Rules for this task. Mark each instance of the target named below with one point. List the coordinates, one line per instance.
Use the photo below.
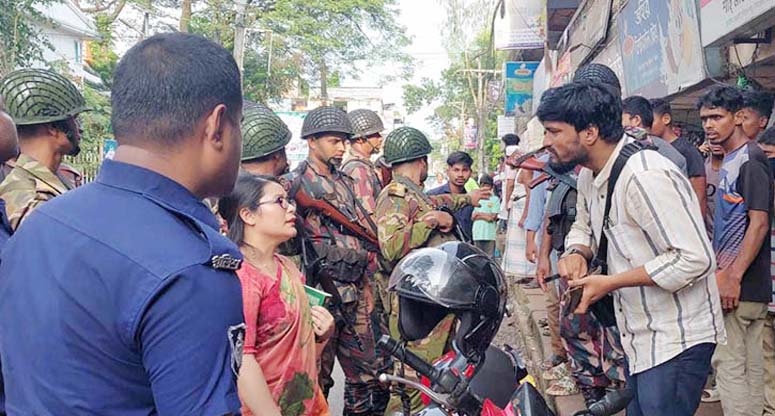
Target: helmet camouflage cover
(263, 132)
(37, 96)
(326, 120)
(365, 123)
(404, 144)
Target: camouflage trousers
(380, 318)
(429, 349)
(363, 394)
(595, 351)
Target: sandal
(556, 373)
(563, 387)
(710, 395)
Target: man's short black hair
(639, 106)
(460, 157)
(759, 101)
(722, 96)
(486, 180)
(583, 104)
(510, 139)
(165, 84)
(768, 137)
(660, 107)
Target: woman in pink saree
(283, 334)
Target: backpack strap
(624, 155)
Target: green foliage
(453, 97)
(102, 59)
(339, 33)
(96, 128)
(21, 42)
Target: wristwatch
(573, 250)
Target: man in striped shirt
(660, 261)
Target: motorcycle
(499, 386)
(474, 378)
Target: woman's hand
(322, 323)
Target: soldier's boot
(592, 394)
(358, 366)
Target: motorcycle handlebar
(398, 351)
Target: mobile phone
(572, 299)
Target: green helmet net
(404, 144)
(263, 132)
(37, 96)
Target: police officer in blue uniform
(119, 298)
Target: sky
(423, 20)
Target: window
(78, 56)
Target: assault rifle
(304, 200)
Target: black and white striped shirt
(655, 222)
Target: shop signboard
(660, 45)
(522, 26)
(519, 88)
(297, 149)
(722, 19)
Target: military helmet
(326, 120)
(263, 132)
(37, 96)
(404, 144)
(365, 123)
(598, 73)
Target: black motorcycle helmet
(453, 278)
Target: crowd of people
(186, 278)
(670, 241)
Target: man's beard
(335, 162)
(566, 167)
(562, 167)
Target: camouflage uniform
(367, 189)
(595, 351)
(28, 185)
(358, 366)
(399, 208)
(38, 97)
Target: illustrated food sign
(519, 88)
(661, 49)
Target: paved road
(336, 395)
(567, 406)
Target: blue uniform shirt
(113, 302)
(5, 226)
(5, 234)
(463, 215)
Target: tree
(21, 42)
(462, 91)
(343, 36)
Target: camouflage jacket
(337, 190)
(367, 182)
(399, 208)
(28, 185)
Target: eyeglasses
(282, 201)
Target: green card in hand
(316, 297)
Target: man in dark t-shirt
(695, 164)
(741, 240)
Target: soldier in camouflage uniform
(407, 219)
(326, 129)
(264, 137)
(45, 106)
(365, 142)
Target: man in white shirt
(660, 261)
